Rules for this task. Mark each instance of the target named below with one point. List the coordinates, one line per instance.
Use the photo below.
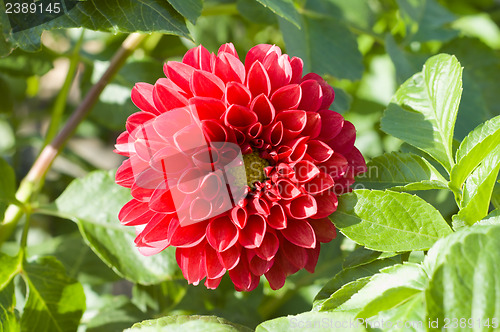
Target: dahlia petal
(155, 230)
(211, 186)
(163, 201)
(189, 138)
(356, 160)
(327, 204)
(312, 258)
(124, 144)
(137, 119)
(215, 132)
(297, 67)
(313, 125)
(276, 276)
(239, 216)
(277, 218)
(274, 134)
(258, 81)
(252, 234)
(269, 247)
(132, 211)
(254, 130)
(312, 96)
(237, 93)
(192, 263)
(242, 278)
(318, 151)
(319, 184)
(300, 233)
(259, 266)
(125, 174)
(239, 117)
(240, 139)
(305, 170)
(323, 229)
(301, 207)
(259, 206)
(287, 190)
(206, 84)
(205, 108)
(296, 255)
(294, 122)
(152, 250)
(213, 265)
(205, 158)
(344, 141)
(265, 111)
(279, 70)
(180, 73)
(228, 48)
(222, 233)
(171, 122)
(287, 97)
(167, 95)
(331, 124)
(146, 183)
(199, 210)
(199, 58)
(284, 152)
(230, 257)
(257, 53)
(142, 97)
(186, 236)
(189, 181)
(229, 68)
(212, 283)
(336, 166)
(169, 160)
(327, 90)
(299, 148)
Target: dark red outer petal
(312, 258)
(318, 151)
(206, 84)
(230, 257)
(142, 97)
(296, 255)
(344, 141)
(327, 204)
(252, 235)
(277, 218)
(167, 96)
(192, 263)
(297, 67)
(311, 96)
(205, 108)
(300, 233)
(239, 216)
(287, 97)
(331, 124)
(259, 266)
(187, 236)
(213, 266)
(323, 229)
(180, 73)
(269, 247)
(222, 233)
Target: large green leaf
(480, 96)
(115, 313)
(349, 275)
(424, 109)
(55, 301)
(473, 149)
(478, 190)
(190, 9)
(465, 282)
(9, 268)
(401, 171)
(284, 9)
(405, 63)
(8, 317)
(426, 20)
(94, 202)
(314, 322)
(113, 16)
(335, 53)
(187, 323)
(389, 221)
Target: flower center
(254, 170)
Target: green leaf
(389, 221)
(55, 301)
(255, 12)
(190, 9)
(161, 297)
(426, 20)
(401, 172)
(94, 202)
(348, 275)
(473, 149)
(406, 63)
(465, 282)
(25, 64)
(10, 267)
(313, 321)
(478, 190)
(343, 294)
(187, 323)
(480, 96)
(335, 53)
(491, 219)
(424, 109)
(131, 16)
(8, 317)
(115, 314)
(284, 9)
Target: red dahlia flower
(236, 165)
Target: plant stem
(60, 103)
(36, 174)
